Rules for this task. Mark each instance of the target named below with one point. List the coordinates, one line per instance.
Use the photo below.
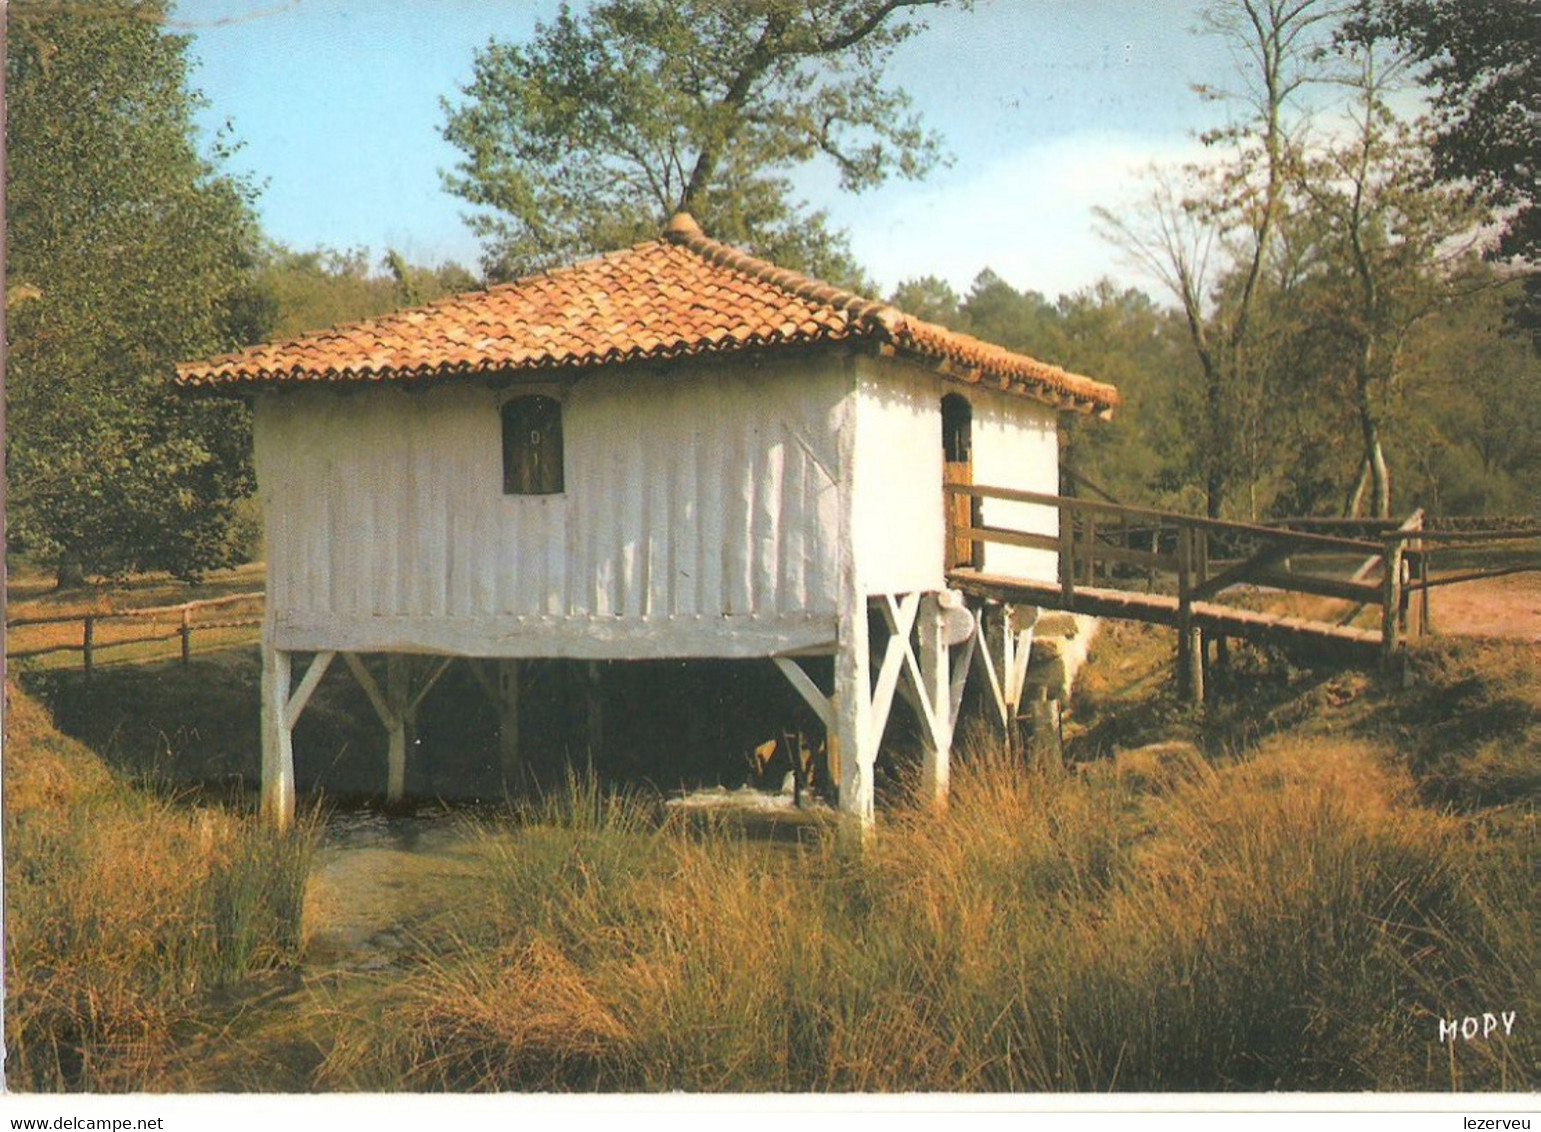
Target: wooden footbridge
(1212, 580)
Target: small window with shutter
(532, 446)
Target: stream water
(381, 878)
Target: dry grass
(1293, 920)
(1288, 894)
(122, 910)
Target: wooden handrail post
(87, 641)
(1067, 550)
(1424, 625)
(187, 635)
(1091, 549)
(976, 546)
(1190, 650)
(1391, 598)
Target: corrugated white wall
(899, 524)
(1016, 445)
(699, 517)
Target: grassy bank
(1290, 916)
(1288, 890)
(125, 913)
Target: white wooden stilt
(935, 688)
(594, 710)
(901, 619)
(426, 686)
(277, 805)
(398, 700)
(1017, 638)
(852, 735)
(508, 722)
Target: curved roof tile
(680, 295)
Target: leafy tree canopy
(323, 287)
(591, 135)
(1481, 57)
(127, 251)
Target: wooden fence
(1385, 564)
(101, 630)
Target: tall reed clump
(122, 909)
(1291, 921)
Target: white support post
(935, 689)
(852, 735)
(397, 698)
(508, 721)
(277, 735)
(594, 710)
(427, 686)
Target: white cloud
(1026, 216)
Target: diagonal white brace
(371, 689)
(428, 686)
(301, 695)
(983, 653)
(804, 686)
(901, 620)
(900, 616)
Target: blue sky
(1048, 108)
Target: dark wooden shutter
(532, 446)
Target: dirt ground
(1509, 606)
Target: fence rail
(1384, 564)
(181, 620)
(1103, 546)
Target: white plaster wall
(899, 524)
(1016, 445)
(700, 516)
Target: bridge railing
(1197, 559)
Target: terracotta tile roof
(680, 295)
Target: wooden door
(962, 511)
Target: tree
(1210, 234)
(592, 135)
(1481, 59)
(931, 298)
(1473, 420)
(316, 289)
(1386, 252)
(127, 252)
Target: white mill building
(672, 451)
